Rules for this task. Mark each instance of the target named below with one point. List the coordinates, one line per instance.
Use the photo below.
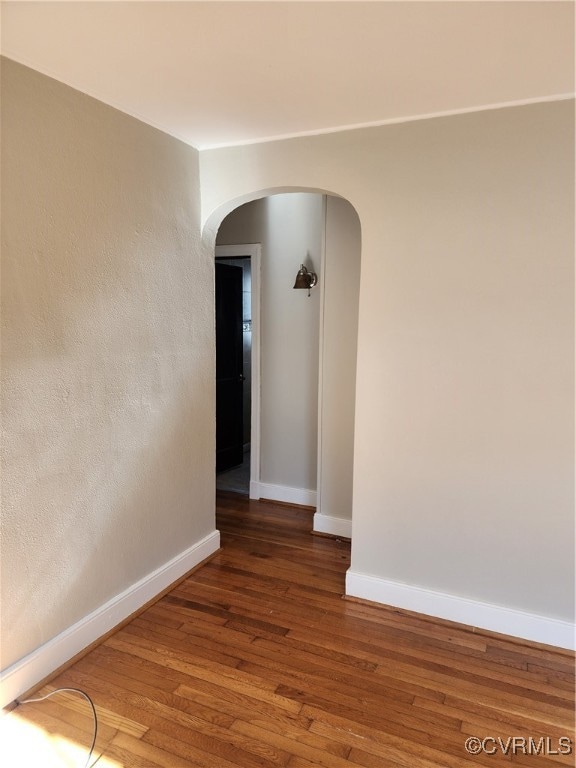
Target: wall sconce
(305, 279)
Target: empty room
(287, 384)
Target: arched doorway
(308, 351)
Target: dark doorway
(229, 374)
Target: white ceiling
(215, 73)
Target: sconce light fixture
(305, 279)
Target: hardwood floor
(256, 660)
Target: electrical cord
(94, 715)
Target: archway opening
(305, 362)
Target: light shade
(305, 279)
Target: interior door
(229, 378)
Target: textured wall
(464, 450)
(108, 451)
(290, 228)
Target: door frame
(254, 251)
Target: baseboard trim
(495, 618)
(29, 671)
(336, 526)
(301, 496)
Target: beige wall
(290, 229)
(108, 450)
(464, 461)
(341, 285)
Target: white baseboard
(336, 526)
(24, 674)
(285, 493)
(496, 618)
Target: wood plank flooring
(256, 661)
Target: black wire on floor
(94, 715)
